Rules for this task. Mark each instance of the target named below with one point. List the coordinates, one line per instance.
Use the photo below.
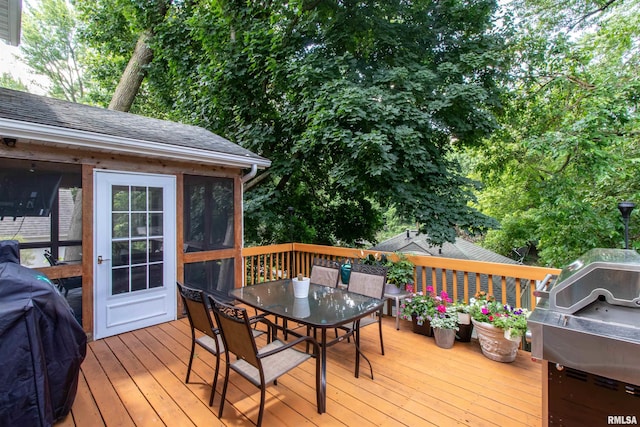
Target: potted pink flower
(445, 325)
(421, 308)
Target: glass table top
(324, 307)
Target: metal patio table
(325, 308)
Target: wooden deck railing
(460, 278)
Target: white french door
(135, 251)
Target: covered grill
(586, 329)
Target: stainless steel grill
(587, 327)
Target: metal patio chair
(199, 314)
(200, 320)
(258, 366)
(369, 280)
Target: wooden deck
(137, 379)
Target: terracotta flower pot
(493, 343)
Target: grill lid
(610, 273)
(589, 319)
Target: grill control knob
(559, 367)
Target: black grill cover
(41, 346)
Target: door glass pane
(138, 278)
(139, 252)
(119, 281)
(156, 273)
(138, 199)
(155, 224)
(120, 225)
(155, 199)
(138, 224)
(119, 253)
(120, 198)
(156, 252)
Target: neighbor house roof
(412, 242)
(31, 117)
(10, 21)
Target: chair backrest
(368, 280)
(325, 272)
(197, 310)
(50, 259)
(237, 334)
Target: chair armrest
(260, 318)
(274, 327)
(271, 327)
(316, 346)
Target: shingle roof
(461, 249)
(25, 107)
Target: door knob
(100, 259)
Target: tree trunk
(133, 75)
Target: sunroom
(124, 205)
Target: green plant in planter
(485, 308)
(463, 311)
(461, 307)
(421, 305)
(400, 272)
(373, 259)
(445, 317)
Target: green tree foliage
(567, 150)
(50, 47)
(8, 81)
(358, 104)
